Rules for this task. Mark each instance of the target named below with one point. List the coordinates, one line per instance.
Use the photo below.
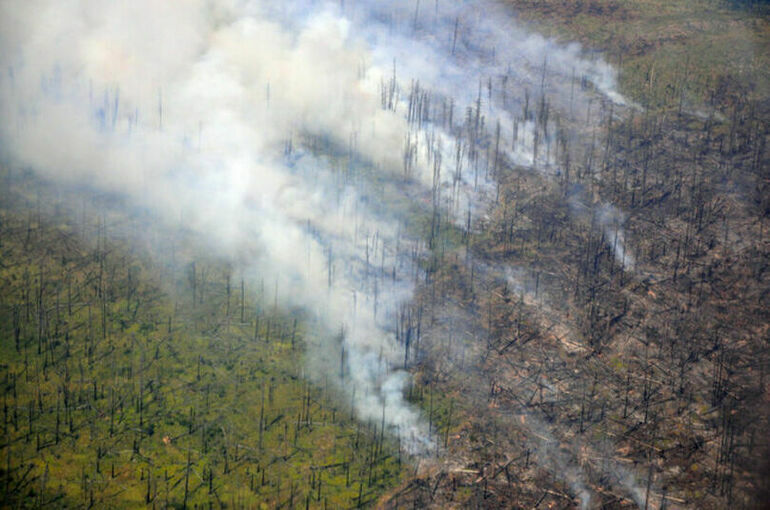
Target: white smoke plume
(239, 116)
(611, 219)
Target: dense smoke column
(481, 93)
(237, 117)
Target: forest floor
(551, 376)
(572, 380)
(163, 382)
(717, 49)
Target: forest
(504, 254)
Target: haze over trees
(410, 254)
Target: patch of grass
(703, 51)
(119, 393)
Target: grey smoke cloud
(232, 115)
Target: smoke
(609, 219)
(293, 137)
(563, 458)
(553, 457)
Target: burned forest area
(408, 254)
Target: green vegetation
(120, 393)
(168, 382)
(697, 52)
